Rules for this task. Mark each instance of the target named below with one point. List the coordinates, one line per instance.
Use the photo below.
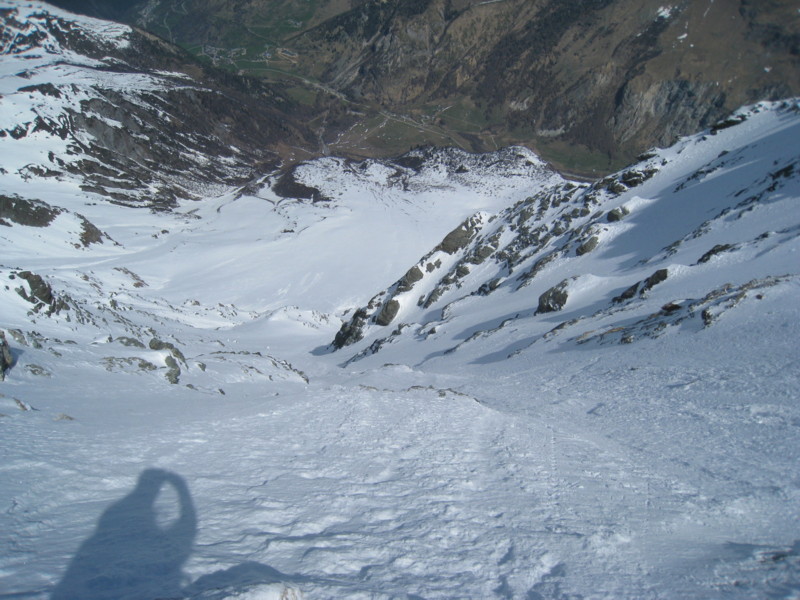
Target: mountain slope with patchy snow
(129, 116)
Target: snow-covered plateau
(441, 376)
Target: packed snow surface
(641, 448)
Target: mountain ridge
(588, 85)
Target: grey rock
(554, 299)
(617, 214)
(654, 279)
(32, 213)
(388, 313)
(459, 237)
(156, 344)
(6, 358)
(718, 249)
(173, 370)
(351, 331)
(408, 280)
(130, 342)
(627, 294)
(587, 246)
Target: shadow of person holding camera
(130, 555)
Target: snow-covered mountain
(441, 376)
(678, 239)
(138, 120)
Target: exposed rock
(487, 288)
(192, 124)
(173, 370)
(37, 370)
(287, 186)
(642, 287)
(32, 213)
(388, 313)
(617, 214)
(654, 279)
(113, 363)
(554, 299)
(40, 291)
(718, 249)
(130, 342)
(459, 237)
(627, 294)
(6, 358)
(587, 246)
(35, 213)
(408, 280)
(41, 294)
(352, 331)
(156, 344)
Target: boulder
(6, 358)
(617, 214)
(351, 331)
(408, 280)
(587, 246)
(653, 280)
(173, 370)
(388, 313)
(554, 299)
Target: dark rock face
(40, 291)
(408, 280)
(35, 213)
(287, 186)
(173, 373)
(617, 214)
(554, 299)
(587, 246)
(6, 359)
(459, 238)
(31, 213)
(642, 287)
(654, 279)
(41, 294)
(351, 331)
(605, 74)
(156, 344)
(718, 249)
(388, 313)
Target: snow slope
(176, 423)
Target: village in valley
(230, 56)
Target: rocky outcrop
(388, 313)
(554, 299)
(35, 213)
(460, 236)
(642, 287)
(39, 293)
(6, 358)
(351, 331)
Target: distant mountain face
(138, 120)
(608, 78)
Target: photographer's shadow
(130, 555)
